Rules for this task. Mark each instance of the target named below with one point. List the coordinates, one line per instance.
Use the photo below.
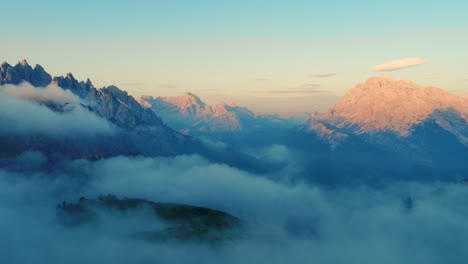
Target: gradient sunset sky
(270, 56)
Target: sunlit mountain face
(233, 132)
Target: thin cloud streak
(398, 64)
(261, 80)
(311, 85)
(323, 75)
(295, 91)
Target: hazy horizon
(268, 57)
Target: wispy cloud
(295, 91)
(49, 93)
(261, 80)
(398, 64)
(323, 75)
(311, 85)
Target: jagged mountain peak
(38, 67)
(187, 104)
(191, 98)
(4, 66)
(22, 71)
(189, 94)
(70, 76)
(110, 102)
(382, 103)
(24, 63)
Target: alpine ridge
(190, 115)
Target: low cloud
(323, 75)
(287, 217)
(399, 64)
(23, 111)
(50, 93)
(311, 85)
(261, 80)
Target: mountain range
(380, 127)
(190, 115)
(139, 129)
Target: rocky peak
(70, 76)
(117, 105)
(88, 82)
(22, 71)
(70, 83)
(187, 104)
(24, 63)
(382, 103)
(191, 99)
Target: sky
(271, 56)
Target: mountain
(391, 127)
(137, 130)
(22, 71)
(383, 105)
(190, 115)
(111, 103)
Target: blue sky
(243, 51)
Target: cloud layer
(399, 64)
(400, 223)
(323, 75)
(286, 220)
